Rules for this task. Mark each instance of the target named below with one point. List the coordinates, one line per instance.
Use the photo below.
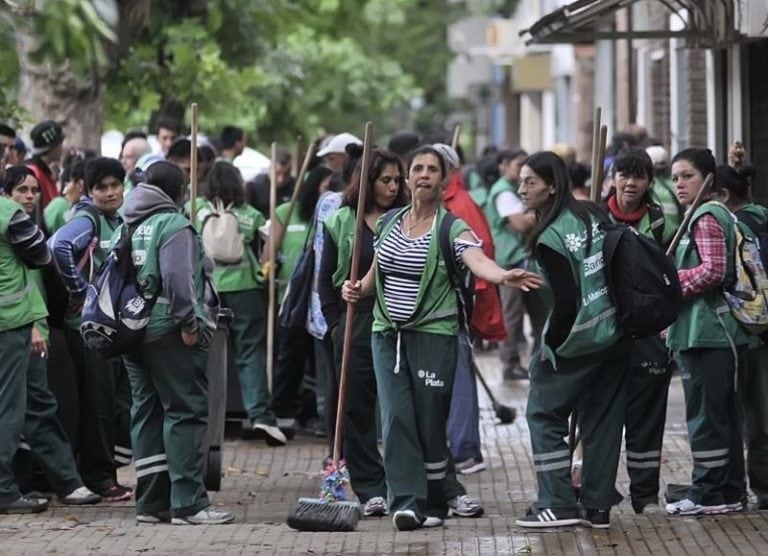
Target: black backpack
(642, 281)
(116, 312)
(465, 289)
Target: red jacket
(487, 320)
(48, 189)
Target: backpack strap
(750, 221)
(656, 216)
(454, 276)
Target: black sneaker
(548, 518)
(24, 505)
(762, 504)
(115, 493)
(597, 519)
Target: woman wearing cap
(414, 338)
(753, 384)
(708, 344)
(629, 202)
(79, 248)
(45, 439)
(385, 190)
(582, 362)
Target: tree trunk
(58, 94)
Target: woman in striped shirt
(416, 320)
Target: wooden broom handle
(353, 272)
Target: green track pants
(754, 396)
(647, 391)
(714, 424)
(414, 375)
(594, 385)
(169, 417)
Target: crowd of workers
(520, 224)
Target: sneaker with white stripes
(548, 518)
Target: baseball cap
(46, 136)
(338, 144)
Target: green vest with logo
(436, 310)
(146, 243)
(595, 327)
(245, 275)
(510, 246)
(341, 227)
(20, 300)
(705, 321)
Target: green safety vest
(436, 310)
(146, 243)
(510, 246)
(758, 212)
(245, 275)
(291, 247)
(705, 321)
(56, 214)
(341, 227)
(595, 327)
(20, 300)
(663, 193)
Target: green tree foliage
(277, 68)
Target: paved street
(261, 484)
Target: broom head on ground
(332, 511)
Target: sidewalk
(261, 484)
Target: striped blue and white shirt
(402, 261)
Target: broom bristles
(315, 514)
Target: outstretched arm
(483, 267)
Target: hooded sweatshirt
(70, 244)
(178, 261)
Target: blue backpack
(116, 313)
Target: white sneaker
(271, 434)
(406, 520)
(206, 516)
(471, 465)
(465, 506)
(160, 517)
(688, 507)
(375, 506)
(81, 496)
(432, 521)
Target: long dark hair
(551, 168)
(226, 183)
(380, 159)
(310, 192)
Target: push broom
(332, 511)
